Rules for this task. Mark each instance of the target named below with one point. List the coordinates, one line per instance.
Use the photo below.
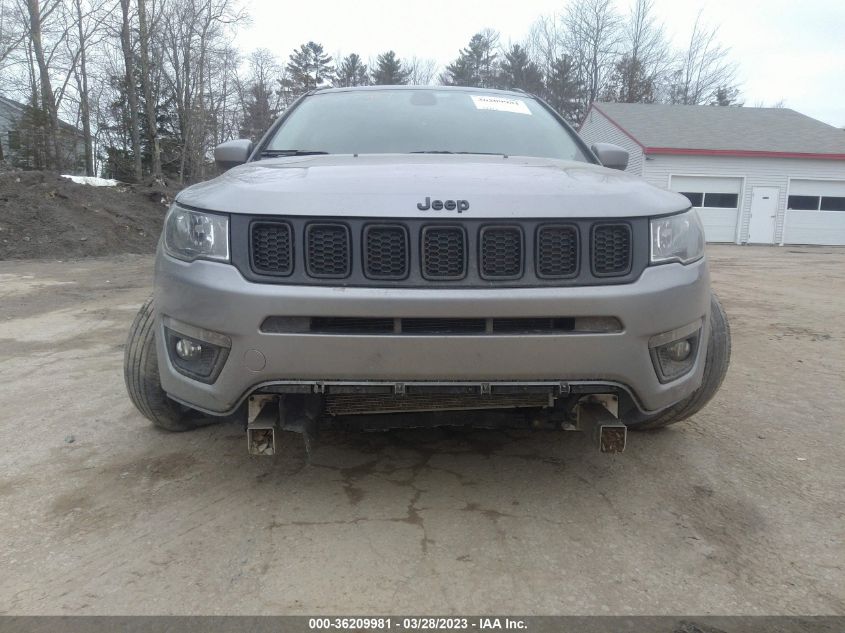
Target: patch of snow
(92, 180)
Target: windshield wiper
(446, 151)
(291, 152)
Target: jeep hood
(392, 186)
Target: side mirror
(232, 153)
(611, 156)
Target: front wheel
(140, 372)
(715, 367)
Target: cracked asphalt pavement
(737, 511)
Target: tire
(715, 367)
(140, 372)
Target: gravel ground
(737, 511)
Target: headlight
(191, 235)
(677, 238)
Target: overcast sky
(785, 49)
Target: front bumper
(216, 297)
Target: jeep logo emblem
(439, 205)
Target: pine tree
(518, 71)
(389, 70)
(726, 96)
(477, 64)
(258, 113)
(308, 68)
(629, 83)
(351, 72)
(564, 91)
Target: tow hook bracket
(261, 425)
(596, 418)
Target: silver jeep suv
(394, 256)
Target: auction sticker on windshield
(501, 104)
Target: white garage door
(717, 201)
(815, 212)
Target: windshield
(394, 121)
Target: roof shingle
(728, 129)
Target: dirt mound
(45, 216)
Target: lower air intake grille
(444, 252)
(501, 252)
(557, 252)
(272, 248)
(611, 250)
(362, 404)
(386, 252)
(328, 250)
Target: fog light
(679, 350)
(198, 354)
(673, 353)
(187, 349)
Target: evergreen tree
(726, 96)
(351, 72)
(564, 91)
(477, 64)
(308, 68)
(518, 71)
(389, 71)
(629, 83)
(258, 112)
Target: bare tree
(702, 69)
(48, 98)
(591, 37)
(11, 33)
(131, 90)
(545, 42)
(147, 25)
(645, 60)
(421, 71)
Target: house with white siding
(756, 175)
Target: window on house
(695, 199)
(721, 200)
(803, 203)
(14, 140)
(833, 203)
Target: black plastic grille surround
(501, 252)
(328, 250)
(611, 249)
(386, 252)
(557, 251)
(438, 252)
(272, 248)
(444, 252)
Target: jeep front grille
(444, 252)
(611, 249)
(386, 252)
(501, 252)
(416, 252)
(328, 250)
(557, 251)
(272, 248)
